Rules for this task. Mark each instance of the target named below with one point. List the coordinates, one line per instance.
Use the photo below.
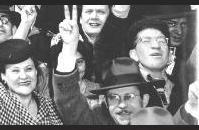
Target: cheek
(142, 53)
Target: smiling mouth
(94, 24)
(156, 55)
(26, 83)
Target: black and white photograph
(99, 64)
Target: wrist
(121, 12)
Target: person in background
(86, 85)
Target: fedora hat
(163, 11)
(124, 72)
(15, 17)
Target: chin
(24, 91)
(94, 31)
(123, 122)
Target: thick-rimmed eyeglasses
(115, 99)
(149, 40)
(4, 19)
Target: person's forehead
(23, 64)
(150, 32)
(99, 7)
(125, 90)
(180, 19)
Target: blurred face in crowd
(6, 27)
(151, 49)
(22, 6)
(93, 18)
(123, 102)
(81, 64)
(21, 78)
(178, 30)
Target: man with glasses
(9, 20)
(149, 43)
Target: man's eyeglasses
(115, 99)
(149, 40)
(4, 19)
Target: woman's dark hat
(15, 17)
(14, 51)
(124, 72)
(163, 11)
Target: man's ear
(133, 54)
(145, 100)
(14, 29)
(80, 20)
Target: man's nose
(155, 44)
(122, 104)
(94, 14)
(179, 29)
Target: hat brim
(170, 16)
(102, 91)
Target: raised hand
(69, 32)
(68, 28)
(192, 105)
(28, 14)
(121, 11)
(28, 18)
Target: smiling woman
(20, 103)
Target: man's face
(93, 18)
(6, 27)
(123, 102)
(151, 49)
(178, 30)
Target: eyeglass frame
(6, 19)
(155, 38)
(120, 99)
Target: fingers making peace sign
(69, 32)
(68, 28)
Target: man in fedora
(124, 89)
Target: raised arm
(71, 104)
(28, 18)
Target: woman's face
(21, 78)
(81, 65)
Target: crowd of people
(98, 65)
